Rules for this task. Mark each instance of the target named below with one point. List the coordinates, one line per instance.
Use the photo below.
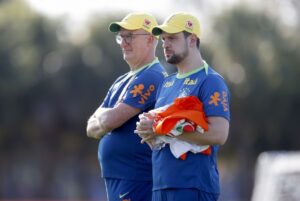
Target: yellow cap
(135, 21)
(179, 22)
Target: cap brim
(165, 28)
(116, 26)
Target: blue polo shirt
(198, 170)
(120, 152)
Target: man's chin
(126, 56)
(168, 58)
(172, 60)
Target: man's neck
(142, 63)
(191, 62)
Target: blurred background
(58, 59)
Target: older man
(125, 163)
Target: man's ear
(193, 40)
(150, 39)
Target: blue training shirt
(120, 153)
(198, 170)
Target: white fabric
(179, 147)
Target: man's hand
(144, 129)
(105, 120)
(93, 129)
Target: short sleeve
(215, 96)
(142, 91)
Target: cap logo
(189, 25)
(147, 23)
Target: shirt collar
(184, 75)
(134, 72)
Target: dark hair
(186, 34)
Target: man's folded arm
(108, 119)
(217, 134)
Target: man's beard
(177, 58)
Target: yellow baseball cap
(134, 21)
(179, 22)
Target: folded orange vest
(189, 108)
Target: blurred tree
(49, 84)
(25, 39)
(261, 63)
(260, 58)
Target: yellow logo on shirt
(138, 90)
(168, 84)
(216, 99)
(188, 81)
